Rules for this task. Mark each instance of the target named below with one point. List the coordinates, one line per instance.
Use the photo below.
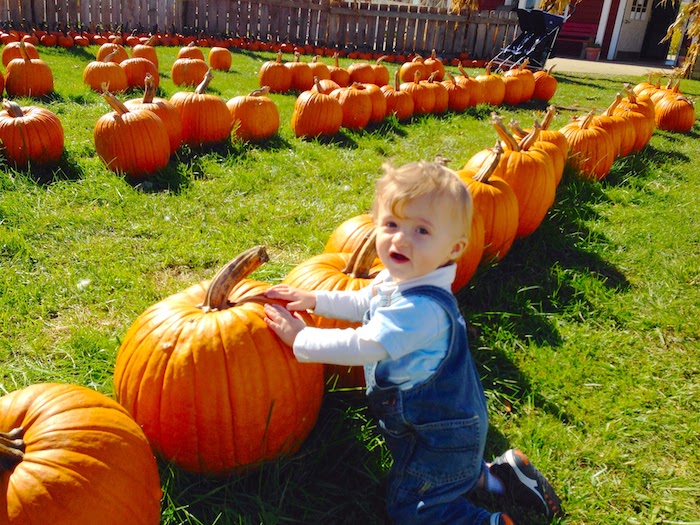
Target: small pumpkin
(301, 73)
(191, 50)
(30, 135)
(476, 89)
(398, 102)
(136, 69)
(206, 120)
(163, 108)
(254, 116)
(274, 74)
(545, 84)
(220, 58)
(339, 271)
(187, 71)
(11, 51)
(105, 71)
(146, 50)
(132, 142)
(493, 87)
(423, 96)
(591, 148)
(675, 113)
(437, 68)
(28, 77)
(339, 75)
(496, 203)
(316, 114)
(115, 50)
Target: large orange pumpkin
(72, 456)
(28, 77)
(213, 388)
(399, 103)
(105, 71)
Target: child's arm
(322, 345)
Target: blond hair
(399, 186)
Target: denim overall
(436, 432)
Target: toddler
(422, 384)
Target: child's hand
(285, 324)
(298, 299)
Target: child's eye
(390, 224)
(422, 231)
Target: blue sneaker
(526, 485)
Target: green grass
(586, 333)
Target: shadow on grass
(511, 305)
(67, 169)
(334, 478)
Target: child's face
(423, 239)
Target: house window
(639, 9)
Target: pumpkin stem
(116, 104)
(416, 77)
(611, 108)
(587, 120)
(462, 70)
(490, 164)
(515, 128)
(279, 57)
(204, 84)
(450, 78)
(549, 116)
(149, 89)
(230, 275)
(397, 80)
(262, 92)
(528, 140)
(13, 109)
(381, 59)
(23, 51)
(111, 55)
(11, 448)
(361, 259)
(510, 142)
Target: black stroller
(539, 30)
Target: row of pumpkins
(200, 119)
(202, 381)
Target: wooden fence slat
(411, 31)
(39, 12)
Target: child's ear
(458, 248)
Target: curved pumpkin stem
(23, 51)
(261, 92)
(204, 84)
(490, 164)
(116, 104)
(514, 126)
(506, 137)
(360, 262)
(549, 116)
(450, 78)
(111, 55)
(397, 80)
(611, 108)
(230, 275)
(13, 109)
(381, 59)
(462, 70)
(12, 448)
(528, 140)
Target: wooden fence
(358, 25)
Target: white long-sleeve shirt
(406, 335)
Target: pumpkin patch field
(147, 208)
